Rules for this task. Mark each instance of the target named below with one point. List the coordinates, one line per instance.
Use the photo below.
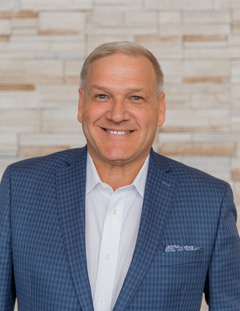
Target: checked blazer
(187, 242)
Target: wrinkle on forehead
(105, 89)
(121, 72)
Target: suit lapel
(71, 182)
(157, 201)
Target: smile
(118, 132)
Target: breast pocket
(176, 274)
(174, 281)
(179, 269)
(180, 258)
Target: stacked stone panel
(43, 45)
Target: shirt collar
(92, 175)
(140, 180)
(93, 178)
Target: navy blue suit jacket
(187, 242)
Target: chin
(116, 157)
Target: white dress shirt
(112, 223)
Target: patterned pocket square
(180, 248)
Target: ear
(80, 104)
(162, 109)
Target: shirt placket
(108, 255)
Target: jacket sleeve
(222, 290)
(7, 288)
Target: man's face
(119, 109)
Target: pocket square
(180, 248)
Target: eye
(136, 98)
(101, 96)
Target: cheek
(151, 126)
(147, 119)
(93, 113)
(90, 120)
(87, 115)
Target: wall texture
(43, 44)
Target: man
(115, 226)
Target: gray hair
(127, 48)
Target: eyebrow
(100, 88)
(130, 90)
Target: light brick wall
(43, 44)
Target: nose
(118, 111)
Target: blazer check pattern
(42, 239)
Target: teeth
(118, 132)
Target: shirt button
(108, 256)
(114, 212)
(101, 304)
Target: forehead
(121, 67)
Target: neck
(119, 175)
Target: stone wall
(43, 44)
